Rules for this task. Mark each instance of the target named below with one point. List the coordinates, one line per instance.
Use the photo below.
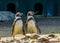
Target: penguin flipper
(13, 25)
(38, 29)
(24, 32)
(26, 27)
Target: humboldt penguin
(17, 27)
(31, 25)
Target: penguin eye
(29, 14)
(18, 15)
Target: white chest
(19, 22)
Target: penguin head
(18, 14)
(30, 13)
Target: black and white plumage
(32, 26)
(17, 27)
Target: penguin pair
(31, 26)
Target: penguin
(17, 27)
(31, 25)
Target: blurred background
(46, 7)
(47, 14)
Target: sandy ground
(47, 27)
